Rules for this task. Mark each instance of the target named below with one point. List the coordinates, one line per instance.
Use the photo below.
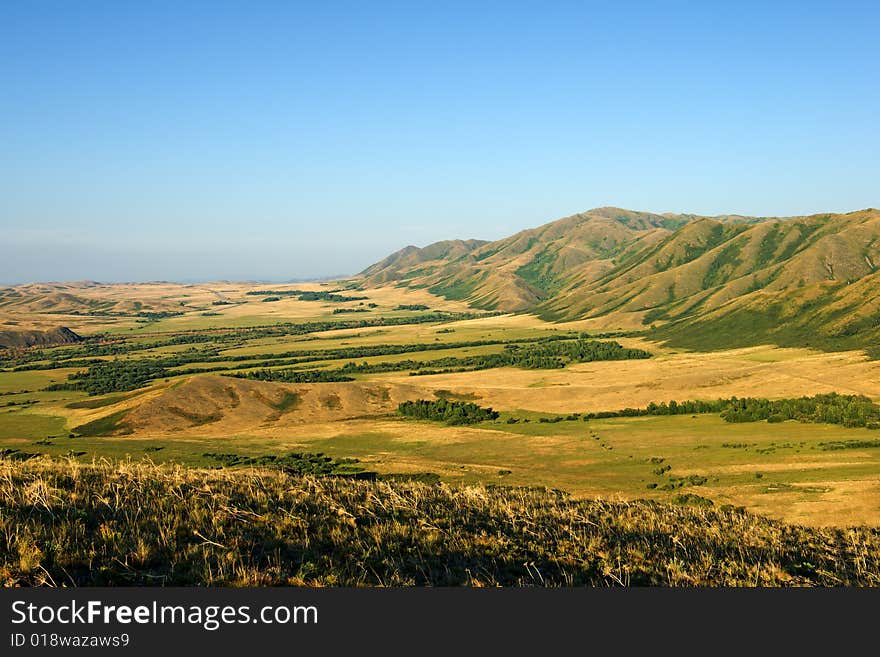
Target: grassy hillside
(523, 270)
(411, 257)
(19, 339)
(77, 299)
(833, 316)
(794, 281)
(136, 523)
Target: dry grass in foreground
(64, 523)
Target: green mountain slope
(696, 280)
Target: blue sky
(261, 140)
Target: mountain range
(691, 280)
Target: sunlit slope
(411, 257)
(521, 271)
(224, 405)
(830, 315)
(85, 297)
(698, 273)
(15, 339)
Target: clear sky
(261, 140)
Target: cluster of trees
(279, 293)
(544, 354)
(156, 316)
(149, 315)
(681, 482)
(296, 463)
(524, 355)
(56, 364)
(295, 376)
(339, 311)
(328, 296)
(582, 350)
(122, 375)
(26, 402)
(114, 376)
(306, 295)
(849, 444)
(832, 408)
(412, 306)
(450, 412)
(689, 407)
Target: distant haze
(195, 141)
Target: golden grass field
(781, 471)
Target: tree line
(104, 345)
(307, 295)
(545, 354)
(450, 412)
(293, 357)
(295, 376)
(113, 376)
(121, 375)
(831, 408)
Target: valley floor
(790, 471)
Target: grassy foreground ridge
(116, 523)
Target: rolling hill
(218, 405)
(697, 281)
(17, 339)
(411, 257)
